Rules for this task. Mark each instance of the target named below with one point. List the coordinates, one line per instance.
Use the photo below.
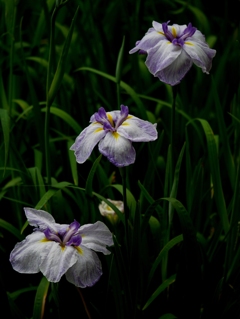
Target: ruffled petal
(39, 218)
(87, 270)
(26, 255)
(175, 72)
(161, 56)
(200, 54)
(151, 39)
(137, 130)
(57, 260)
(198, 36)
(117, 149)
(87, 140)
(96, 236)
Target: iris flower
(55, 249)
(114, 131)
(108, 212)
(171, 51)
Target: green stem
(172, 137)
(11, 55)
(126, 212)
(47, 115)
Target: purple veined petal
(87, 270)
(57, 260)
(74, 241)
(50, 235)
(200, 54)
(39, 218)
(118, 150)
(96, 236)
(148, 41)
(161, 56)
(122, 116)
(72, 229)
(137, 130)
(26, 255)
(87, 140)
(175, 72)
(101, 117)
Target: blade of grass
(216, 176)
(40, 299)
(5, 121)
(223, 135)
(160, 289)
(91, 174)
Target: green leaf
(49, 194)
(216, 176)
(73, 163)
(160, 289)
(5, 121)
(168, 316)
(119, 62)
(57, 79)
(40, 299)
(9, 227)
(14, 295)
(224, 136)
(66, 117)
(91, 175)
(131, 202)
(123, 85)
(162, 253)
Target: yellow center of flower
(110, 119)
(174, 32)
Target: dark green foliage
(177, 253)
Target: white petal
(175, 72)
(39, 218)
(96, 236)
(200, 53)
(161, 56)
(87, 270)
(87, 140)
(148, 41)
(26, 255)
(137, 130)
(57, 260)
(117, 149)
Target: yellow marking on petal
(115, 135)
(79, 250)
(109, 116)
(98, 130)
(174, 32)
(63, 247)
(188, 43)
(44, 240)
(129, 117)
(125, 123)
(162, 33)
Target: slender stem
(126, 212)
(172, 138)
(10, 92)
(47, 116)
(84, 303)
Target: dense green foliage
(177, 254)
